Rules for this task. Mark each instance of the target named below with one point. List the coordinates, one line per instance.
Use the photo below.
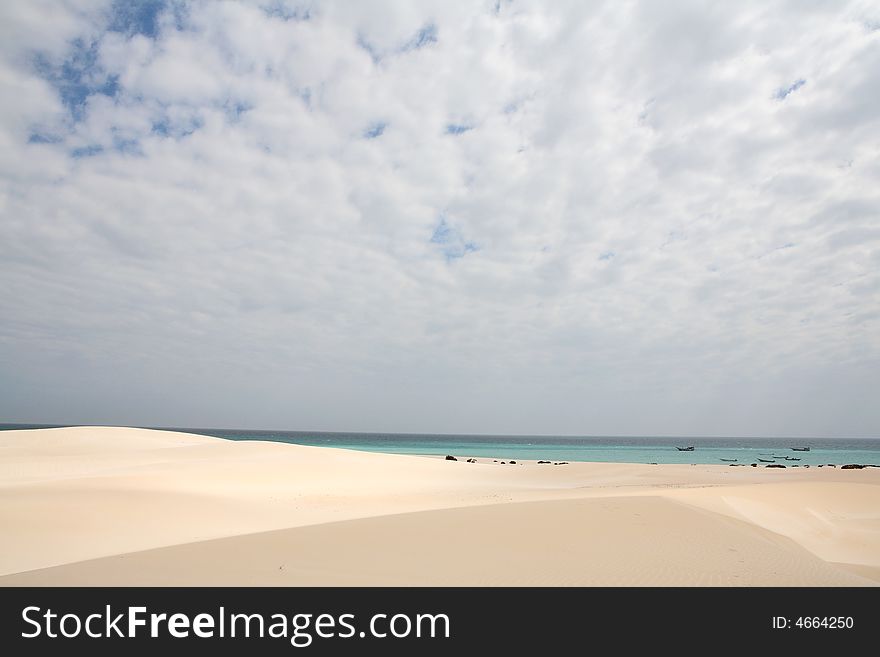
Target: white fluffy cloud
(588, 218)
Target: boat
(729, 460)
(765, 461)
(791, 458)
(685, 449)
(800, 449)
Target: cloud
(589, 218)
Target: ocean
(630, 449)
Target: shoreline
(113, 506)
(490, 460)
(791, 452)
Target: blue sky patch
(126, 144)
(86, 151)
(235, 109)
(608, 255)
(452, 243)
(375, 130)
(165, 127)
(306, 96)
(162, 127)
(78, 77)
(136, 17)
(37, 137)
(365, 45)
(442, 233)
(424, 37)
(457, 128)
(281, 10)
(784, 247)
(784, 92)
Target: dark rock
(472, 460)
(852, 466)
(514, 462)
(774, 465)
(503, 462)
(806, 466)
(449, 457)
(754, 465)
(540, 462)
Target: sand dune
(625, 541)
(834, 520)
(130, 506)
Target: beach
(117, 506)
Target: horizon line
(422, 433)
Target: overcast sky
(490, 217)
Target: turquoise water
(630, 449)
(622, 450)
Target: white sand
(131, 506)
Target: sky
(587, 218)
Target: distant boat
(685, 449)
(765, 461)
(729, 460)
(791, 458)
(800, 449)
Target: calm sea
(630, 449)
